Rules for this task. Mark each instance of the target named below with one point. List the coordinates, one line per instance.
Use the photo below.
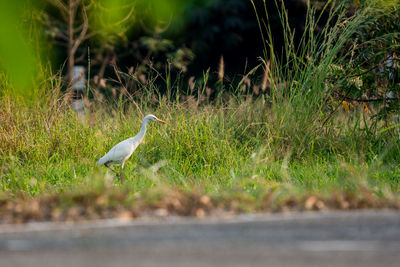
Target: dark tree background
(194, 43)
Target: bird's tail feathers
(101, 161)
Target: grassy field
(286, 148)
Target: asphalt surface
(300, 239)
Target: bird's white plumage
(122, 151)
(119, 153)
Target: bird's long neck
(142, 131)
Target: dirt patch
(117, 203)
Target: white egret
(121, 152)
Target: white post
(79, 85)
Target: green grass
(209, 147)
(248, 153)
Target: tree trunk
(71, 53)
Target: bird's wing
(117, 154)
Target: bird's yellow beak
(163, 122)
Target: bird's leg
(120, 175)
(114, 171)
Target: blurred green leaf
(112, 17)
(118, 16)
(16, 54)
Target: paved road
(305, 239)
